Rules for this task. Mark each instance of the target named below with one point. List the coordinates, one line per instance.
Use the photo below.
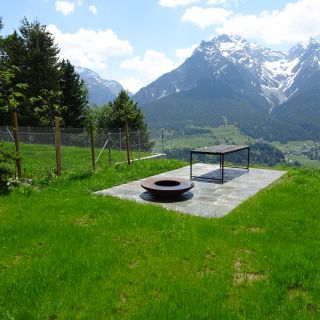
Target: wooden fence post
(16, 142)
(58, 145)
(93, 158)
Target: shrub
(6, 169)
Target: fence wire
(37, 148)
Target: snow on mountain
(274, 75)
(101, 91)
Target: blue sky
(135, 41)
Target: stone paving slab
(208, 198)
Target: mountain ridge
(257, 88)
(101, 91)
(274, 74)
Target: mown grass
(39, 159)
(66, 254)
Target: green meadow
(67, 254)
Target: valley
(177, 143)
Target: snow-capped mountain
(247, 68)
(101, 91)
(266, 93)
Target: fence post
(16, 142)
(85, 133)
(127, 141)
(29, 135)
(93, 158)
(109, 147)
(58, 145)
(162, 140)
(139, 144)
(120, 139)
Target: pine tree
(124, 111)
(33, 52)
(74, 95)
(41, 65)
(123, 108)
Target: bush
(6, 169)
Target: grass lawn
(65, 254)
(39, 159)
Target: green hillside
(66, 254)
(303, 110)
(204, 107)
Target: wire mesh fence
(38, 148)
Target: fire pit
(166, 186)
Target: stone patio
(208, 198)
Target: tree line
(39, 86)
(35, 83)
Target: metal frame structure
(221, 151)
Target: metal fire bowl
(166, 186)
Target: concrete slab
(208, 198)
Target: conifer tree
(33, 51)
(74, 95)
(54, 87)
(125, 108)
(123, 112)
(41, 67)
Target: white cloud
(295, 22)
(225, 3)
(175, 3)
(185, 53)
(65, 7)
(89, 48)
(216, 2)
(93, 9)
(204, 18)
(132, 84)
(153, 64)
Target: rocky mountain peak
(246, 67)
(100, 90)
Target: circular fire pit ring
(166, 186)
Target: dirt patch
(123, 297)
(240, 229)
(205, 271)
(84, 221)
(297, 292)
(241, 277)
(134, 264)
